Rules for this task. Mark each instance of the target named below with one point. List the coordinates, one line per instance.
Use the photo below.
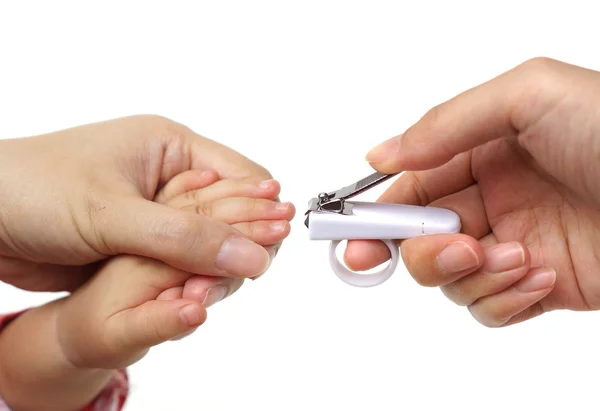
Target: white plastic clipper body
(381, 221)
(377, 221)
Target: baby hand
(133, 303)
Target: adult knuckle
(537, 75)
(155, 120)
(432, 116)
(164, 127)
(421, 194)
(537, 64)
(93, 229)
(433, 123)
(181, 232)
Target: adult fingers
(498, 108)
(441, 259)
(504, 265)
(183, 149)
(424, 187)
(190, 242)
(467, 203)
(517, 303)
(414, 188)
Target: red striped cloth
(112, 398)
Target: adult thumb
(184, 240)
(501, 107)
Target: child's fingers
(205, 289)
(238, 210)
(184, 182)
(208, 292)
(174, 293)
(246, 187)
(264, 233)
(154, 322)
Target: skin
(72, 198)
(66, 351)
(517, 159)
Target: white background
(307, 88)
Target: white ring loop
(363, 280)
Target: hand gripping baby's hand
(134, 303)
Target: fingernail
(504, 257)
(191, 315)
(277, 226)
(384, 150)
(536, 280)
(282, 206)
(214, 294)
(265, 184)
(242, 258)
(457, 257)
(272, 254)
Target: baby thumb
(155, 322)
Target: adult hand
(77, 196)
(518, 159)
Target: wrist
(33, 362)
(86, 338)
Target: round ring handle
(363, 280)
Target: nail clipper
(331, 217)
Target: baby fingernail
(191, 315)
(277, 226)
(242, 257)
(504, 257)
(536, 280)
(457, 257)
(266, 184)
(214, 294)
(384, 150)
(282, 206)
